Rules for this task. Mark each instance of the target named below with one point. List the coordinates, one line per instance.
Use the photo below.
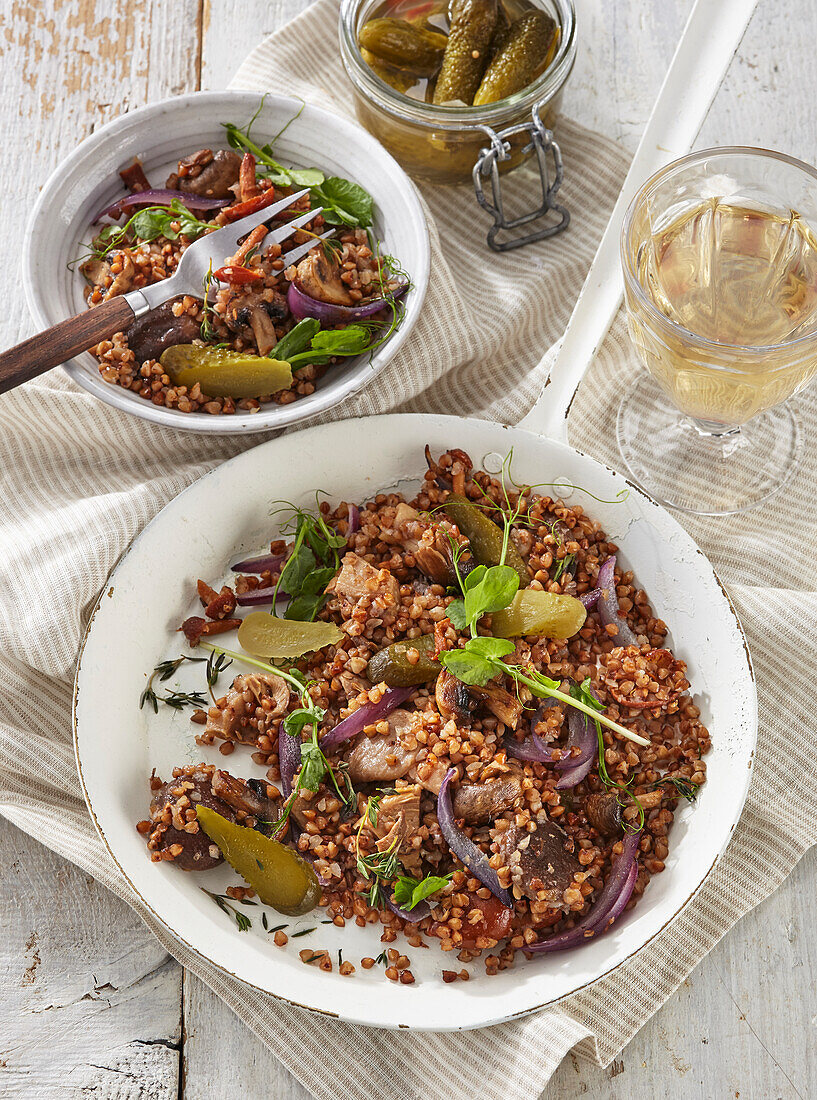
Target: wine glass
(719, 252)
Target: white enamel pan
(118, 745)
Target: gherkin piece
(224, 373)
(396, 78)
(404, 45)
(484, 536)
(543, 614)
(392, 666)
(521, 57)
(466, 55)
(280, 877)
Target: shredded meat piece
(217, 605)
(247, 182)
(398, 820)
(134, 177)
(386, 756)
(252, 704)
(357, 578)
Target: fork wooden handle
(62, 342)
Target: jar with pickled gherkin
(433, 79)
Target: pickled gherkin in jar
(522, 55)
(472, 29)
(396, 78)
(402, 44)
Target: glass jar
(442, 144)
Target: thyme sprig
(177, 700)
(375, 867)
(241, 919)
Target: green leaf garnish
(409, 891)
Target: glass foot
(709, 475)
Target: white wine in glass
(720, 262)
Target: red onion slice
(608, 604)
(289, 759)
(610, 903)
(364, 716)
(301, 305)
(591, 598)
(533, 748)
(353, 520)
(581, 736)
(159, 196)
(464, 848)
(266, 563)
(256, 597)
(420, 911)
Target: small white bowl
(162, 133)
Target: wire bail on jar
(488, 165)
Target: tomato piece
(235, 274)
(495, 923)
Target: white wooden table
(89, 1003)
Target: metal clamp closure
(487, 165)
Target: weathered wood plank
(89, 1001)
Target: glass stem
(714, 428)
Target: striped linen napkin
(82, 479)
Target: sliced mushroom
(604, 812)
(385, 757)
(454, 698)
(252, 315)
(458, 700)
(541, 862)
(319, 277)
(213, 179)
(478, 803)
(159, 329)
(249, 795)
(181, 795)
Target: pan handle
(710, 39)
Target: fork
(61, 342)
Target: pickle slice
(224, 373)
(521, 57)
(399, 43)
(392, 666)
(264, 635)
(468, 50)
(280, 877)
(544, 614)
(484, 536)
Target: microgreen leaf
(409, 891)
